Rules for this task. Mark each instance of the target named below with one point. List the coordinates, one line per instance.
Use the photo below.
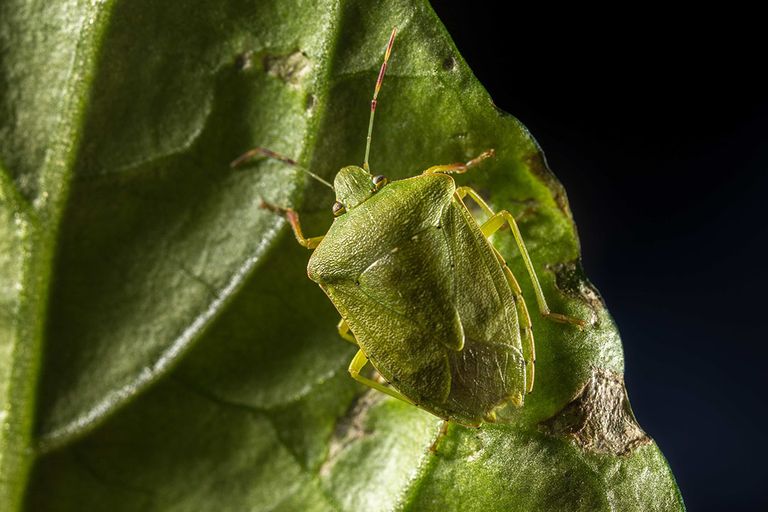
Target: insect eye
(379, 181)
(338, 209)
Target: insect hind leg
(524, 319)
(358, 363)
(345, 332)
(496, 221)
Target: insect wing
(404, 318)
(490, 369)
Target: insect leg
(460, 167)
(526, 329)
(358, 363)
(293, 219)
(462, 192)
(440, 435)
(344, 331)
(495, 223)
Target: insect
(422, 292)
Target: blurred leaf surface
(185, 361)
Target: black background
(657, 124)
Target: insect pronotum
(421, 290)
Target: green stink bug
(421, 290)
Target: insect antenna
(376, 94)
(248, 155)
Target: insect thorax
(378, 225)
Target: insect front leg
(358, 363)
(493, 224)
(460, 167)
(344, 331)
(293, 219)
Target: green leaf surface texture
(161, 347)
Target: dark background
(658, 127)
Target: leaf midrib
(101, 412)
(43, 217)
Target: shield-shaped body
(426, 298)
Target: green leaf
(162, 347)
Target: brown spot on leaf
(291, 68)
(527, 211)
(599, 419)
(449, 63)
(243, 61)
(571, 280)
(350, 428)
(309, 102)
